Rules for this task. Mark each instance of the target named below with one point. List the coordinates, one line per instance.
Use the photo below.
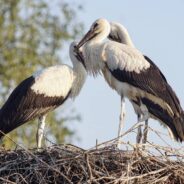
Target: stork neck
(79, 68)
(80, 75)
(125, 38)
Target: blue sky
(156, 28)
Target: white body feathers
(57, 81)
(115, 55)
(54, 81)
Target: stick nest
(103, 164)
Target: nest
(101, 164)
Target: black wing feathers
(169, 88)
(24, 105)
(163, 115)
(152, 81)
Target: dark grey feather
(24, 105)
(151, 81)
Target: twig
(88, 167)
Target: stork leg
(145, 132)
(139, 132)
(144, 118)
(121, 120)
(40, 131)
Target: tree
(32, 36)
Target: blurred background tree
(33, 35)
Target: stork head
(99, 30)
(76, 55)
(119, 34)
(116, 30)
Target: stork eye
(75, 48)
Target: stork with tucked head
(134, 76)
(120, 34)
(41, 93)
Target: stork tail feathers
(176, 125)
(179, 124)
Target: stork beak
(88, 36)
(79, 56)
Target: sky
(157, 30)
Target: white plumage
(42, 92)
(54, 81)
(100, 51)
(116, 56)
(123, 57)
(132, 75)
(120, 34)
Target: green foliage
(32, 36)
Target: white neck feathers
(119, 31)
(80, 75)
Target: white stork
(133, 76)
(42, 92)
(120, 34)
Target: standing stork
(133, 76)
(120, 34)
(41, 93)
